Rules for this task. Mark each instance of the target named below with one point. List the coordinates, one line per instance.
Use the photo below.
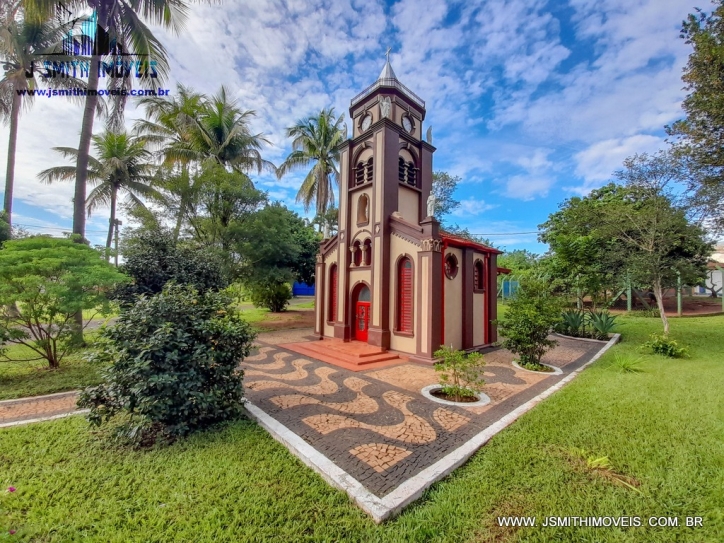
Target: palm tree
(315, 141)
(168, 125)
(125, 21)
(123, 165)
(22, 47)
(221, 133)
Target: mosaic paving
(375, 424)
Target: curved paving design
(375, 424)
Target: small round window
(451, 266)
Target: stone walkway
(23, 410)
(376, 425)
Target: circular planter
(483, 399)
(556, 371)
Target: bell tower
(385, 179)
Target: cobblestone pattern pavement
(376, 425)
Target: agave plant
(574, 321)
(602, 323)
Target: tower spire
(387, 71)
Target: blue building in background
(302, 289)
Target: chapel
(391, 277)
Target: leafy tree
(225, 202)
(24, 42)
(277, 247)
(443, 187)
(44, 282)
(529, 319)
(123, 166)
(328, 223)
(315, 141)
(518, 260)
(152, 259)
(701, 133)
(173, 361)
(125, 23)
(5, 230)
(461, 374)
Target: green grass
(33, 378)
(659, 430)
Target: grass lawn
(33, 378)
(662, 428)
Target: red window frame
(333, 293)
(405, 304)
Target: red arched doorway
(361, 300)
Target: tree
(518, 260)
(122, 23)
(315, 141)
(5, 229)
(47, 281)
(23, 43)
(221, 133)
(173, 361)
(276, 248)
(225, 201)
(700, 135)
(528, 321)
(168, 125)
(152, 259)
(123, 167)
(443, 187)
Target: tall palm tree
(168, 126)
(125, 23)
(221, 133)
(315, 142)
(23, 44)
(123, 166)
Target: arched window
(368, 170)
(406, 172)
(332, 312)
(411, 174)
(357, 253)
(405, 292)
(359, 173)
(363, 212)
(479, 276)
(451, 266)
(367, 252)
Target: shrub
(665, 346)
(626, 364)
(271, 294)
(173, 365)
(152, 259)
(574, 321)
(461, 375)
(44, 282)
(602, 323)
(531, 315)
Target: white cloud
(471, 207)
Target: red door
(361, 321)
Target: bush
(665, 346)
(530, 317)
(602, 323)
(44, 282)
(152, 259)
(273, 295)
(173, 366)
(591, 324)
(461, 374)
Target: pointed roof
(387, 72)
(388, 79)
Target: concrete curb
(556, 369)
(38, 398)
(43, 419)
(392, 504)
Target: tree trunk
(111, 220)
(81, 175)
(10, 172)
(659, 295)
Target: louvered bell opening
(359, 174)
(368, 171)
(411, 174)
(402, 170)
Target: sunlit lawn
(662, 428)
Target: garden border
(392, 504)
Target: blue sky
(531, 101)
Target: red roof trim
(505, 271)
(455, 241)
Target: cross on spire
(387, 53)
